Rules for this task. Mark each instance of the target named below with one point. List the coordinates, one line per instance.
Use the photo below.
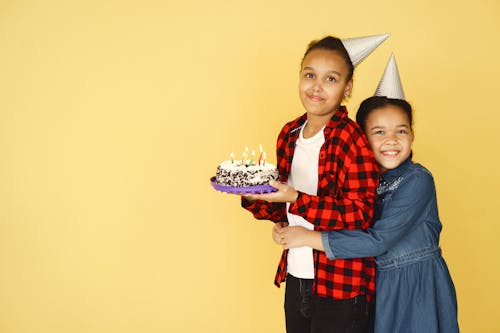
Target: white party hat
(390, 83)
(360, 47)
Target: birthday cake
(237, 174)
(246, 172)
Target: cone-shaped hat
(360, 47)
(390, 84)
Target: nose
(392, 138)
(317, 86)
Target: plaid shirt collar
(329, 126)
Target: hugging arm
(407, 208)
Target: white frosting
(236, 165)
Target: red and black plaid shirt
(347, 179)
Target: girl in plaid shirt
(328, 178)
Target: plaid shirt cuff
(245, 203)
(300, 205)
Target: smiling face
(390, 136)
(323, 82)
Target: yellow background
(115, 114)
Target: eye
(403, 131)
(378, 132)
(331, 79)
(309, 75)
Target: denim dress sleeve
(401, 211)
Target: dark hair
(375, 102)
(334, 44)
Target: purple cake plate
(258, 189)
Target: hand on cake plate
(285, 193)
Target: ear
(348, 89)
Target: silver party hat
(390, 84)
(360, 47)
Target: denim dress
(414, 289)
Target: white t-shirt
(304, 178)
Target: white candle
(243, 157)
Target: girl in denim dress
(414, 289)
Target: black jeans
(308, 313)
